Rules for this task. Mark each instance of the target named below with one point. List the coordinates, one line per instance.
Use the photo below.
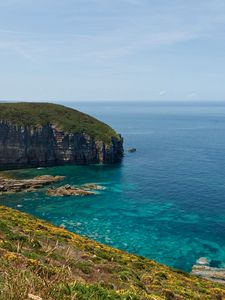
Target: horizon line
(112, 101)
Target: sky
(112, 50)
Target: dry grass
(39, 259)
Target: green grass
(66, 119)
(46, 261)
(85, 292)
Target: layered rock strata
(28, 146)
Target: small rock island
(44, 134)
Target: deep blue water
(166, 201)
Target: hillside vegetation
(67, 119)
(47, 262)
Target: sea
(166, 201)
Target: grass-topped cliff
(66, 119)
(38, 259)
(44, 134)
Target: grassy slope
(67, 119)
(52, 263)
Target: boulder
(132, 150)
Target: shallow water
(166, 201)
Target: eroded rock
(68, 190)
(27, 146)
(8, 185)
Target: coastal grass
(38, 259)
(64, 118)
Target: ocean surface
(166, 201)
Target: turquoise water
(166, 201)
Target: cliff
(40, 261)
(43, 134)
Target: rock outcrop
(48, 144)
(210, 273)
(206, 269)
(8, 185)
(68, 190)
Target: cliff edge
(44, 134)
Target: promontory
(44, 134)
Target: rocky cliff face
(26, 146)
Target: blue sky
(112, 50)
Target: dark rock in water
(132, 150)
(40, 135)
(215, 263)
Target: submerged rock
(215, 263)
(68, 190)
(93, 186)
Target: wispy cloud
(83, 46)
(162, 93)
(110, 38)
(127, 36)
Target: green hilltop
(40, 261)
(66, 119)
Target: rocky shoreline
(203, 269)
(10, 186)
